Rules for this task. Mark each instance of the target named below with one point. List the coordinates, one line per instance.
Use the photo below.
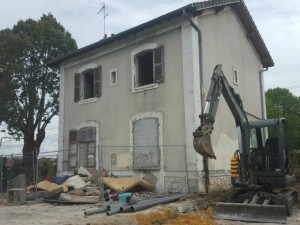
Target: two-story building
(129, 103)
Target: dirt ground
(187, 211)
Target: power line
(293, 87)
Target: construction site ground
(194, 209)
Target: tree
(29, 89)
(281, 103)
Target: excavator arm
(202, 136)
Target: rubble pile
(85, 187)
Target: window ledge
(145, 87)
(86, 101)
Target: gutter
(202, 92)
(262, 93)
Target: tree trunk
(31, 150)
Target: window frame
(158, 66)
(77, 138)
(79, 84)
(235, 76)
(144, 115)
(111, 72)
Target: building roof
(195, 9)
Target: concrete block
(16, 196)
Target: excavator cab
(269, 156)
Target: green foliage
(29, 90)
(281, 103)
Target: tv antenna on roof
(105, 14)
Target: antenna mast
(103, 9)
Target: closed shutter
(90, 133)
(77, 87)
(98, 81)
(72, 154)
(81, 135)
(158, 65)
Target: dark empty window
(149, 67)
(145, 68)
(88, 84)
(88, 77)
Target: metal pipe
(147, 204)
(262, 93)
(113, 212)
(94, 211)
(125, 209)
(109, 207)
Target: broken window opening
(88, 78)
(88, 84)
(145, 68)
(148, 65)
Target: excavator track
(256, 206)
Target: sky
(278, 22)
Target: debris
(48, 186)
(111, 195)
(54, 194)
(64, 197)
(60, 179)
(84, 172)
(125, 197)
(75, 182)
(151, 178)
(124, 184)
(88, 190)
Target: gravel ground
(188, 211)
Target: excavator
(261, 172)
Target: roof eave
(196, 8)
(253, 34)
(188, 8)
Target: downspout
(202, 92)
(262, 93)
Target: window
(82, 148)
(235, 76)
(147, 66)
(113, 77)
(88, 84)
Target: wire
(293, 87)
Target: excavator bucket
(250, 212)
(202, 144)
